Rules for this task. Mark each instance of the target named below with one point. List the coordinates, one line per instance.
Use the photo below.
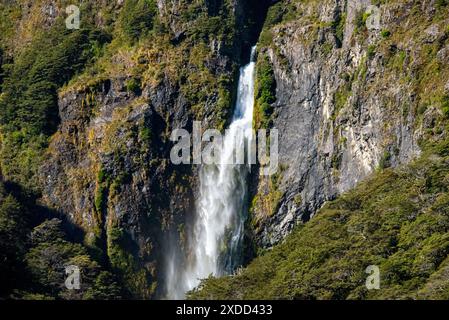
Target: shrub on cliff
(265, 92)
(13, 231)
(136, 18)
(33, 258)
(397, 220)
(51, 253)
(28, 106)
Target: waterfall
(215, 245)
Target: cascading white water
(216, 241)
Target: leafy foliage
(33, 260)
(265, 92)
(398, 220)
(339, 26)
(50, 253)
(13, 230)
(28, 105)
(136, 18)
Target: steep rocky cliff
(357, 88)
(158, 66)
(353, 87)
(355, 91)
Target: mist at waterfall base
(215, 245)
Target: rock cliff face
(103, 173)
(351, 96)
(108, 166)
(347, 99)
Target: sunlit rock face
(338, 113)
(344, 107)
(108, 165)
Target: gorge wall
(108, 166)
(347, 98)
(162, 65)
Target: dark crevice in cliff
(252, 16)
(250, 19)
(213, 7)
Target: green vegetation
(298, 200)
(28, 117)
(266, 204)
(29, 101)
(100, 198)
(385, 160)
(398, 220)
(445, 105)
(121, 261)
(385, 34)
(124, 264)
(136, 18)
(398, 60)
(46, 261)
(145, 134)
(28, 105)
(371, 51)
(35, 251)
(133, 85)
(336, 161)
(442, 3)
(9, 13)
(326, 48)
(341, 97)
(277, 13)
(265, 92)
(360, 21)
(13, 231)
(339, 27)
